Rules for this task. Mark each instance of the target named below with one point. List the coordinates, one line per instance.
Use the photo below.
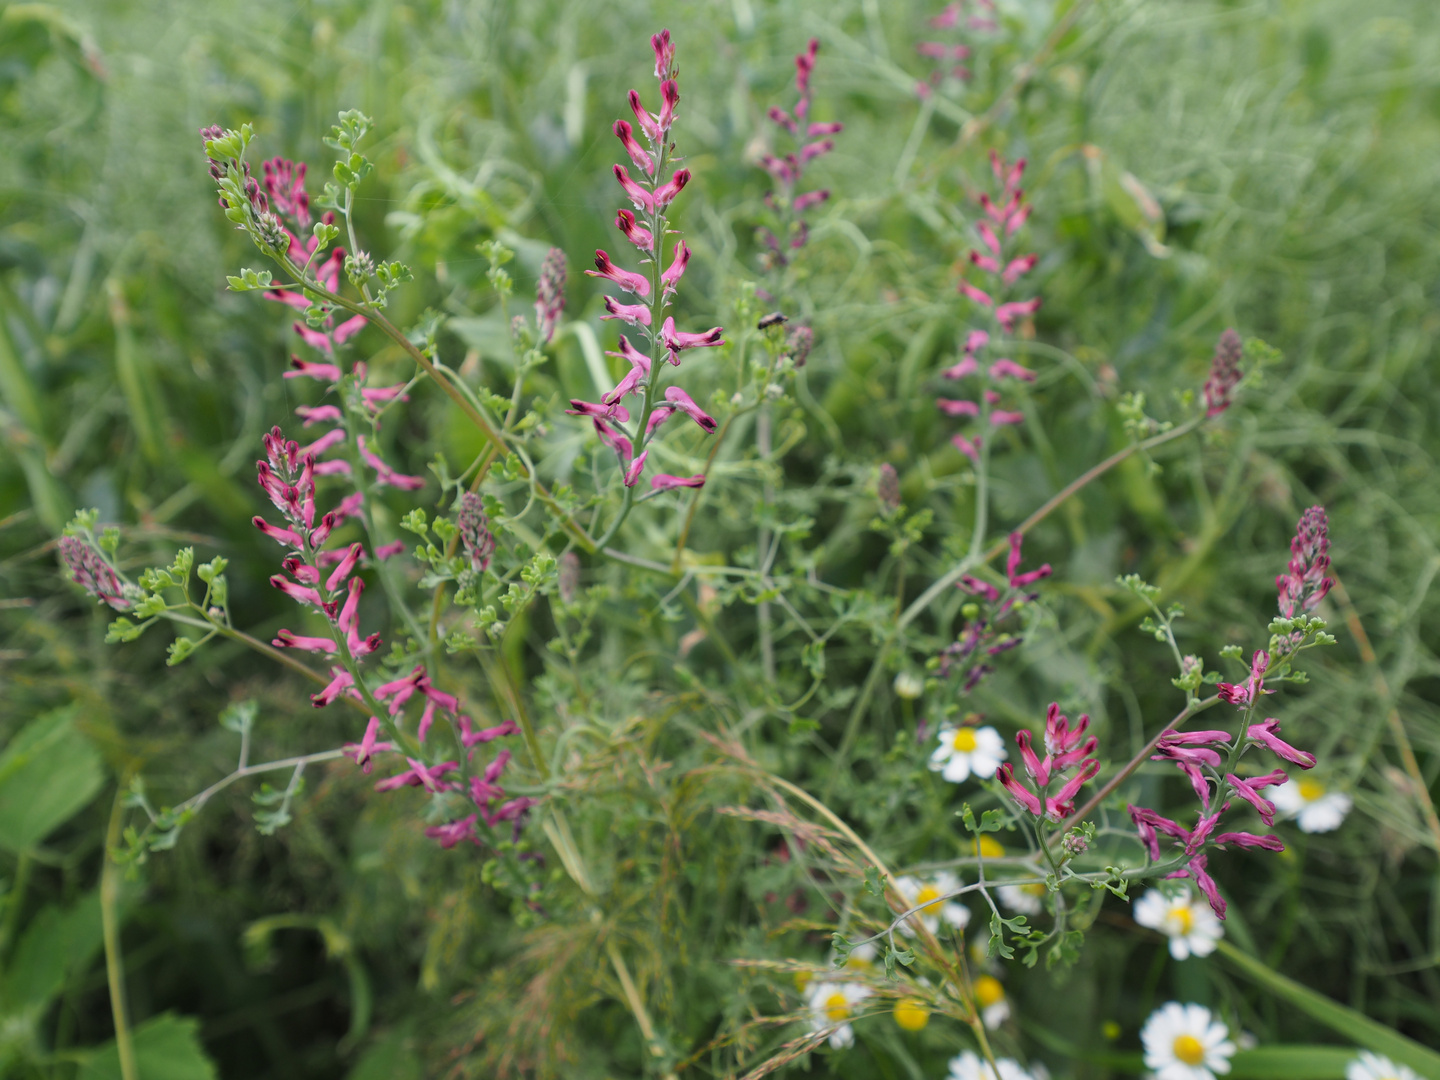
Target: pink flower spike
(976, 587)
(390, 550)
(1006, 314)
(811, 198)
(634, 314)
(784, 119)
(1018, 268)
(1249, 790)
(636, 283)
(676, 269)
(1268, 735)
(666, 482)
(456, 831)
(1006, 416)
(952, 407)
(966, 366)
(318, 414)
(1225, 374)
(1059, 735)
(1304, 583)
(682, 401)
(344, 569)
(971, 292)
(341, 680)
(284, 639)
(626, 134)
(1008, 369)
(642, 199)
(306, 369)
(632, 474)
(969, 447)
(647, 122)
(638, 235)
(665, 194)
(1018, 791)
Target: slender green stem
(110, 928)
(15, 901)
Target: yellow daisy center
(802, 980)
(837, 1007)
(988, 991)
(1310, 790)
(1182, 919)
(1188, 1048)
(991, 848)
(1035, 889)
(911, 1014)
(928, 895)
(964, 741)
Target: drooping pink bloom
(665, 194)
(634, 314)
(430, 777)
(340, 682)
(675, 341)
(1267, 734)
(473, 738)
(976, 587)
(319, 414)
(784, 119)
(1248, 840)
(303, 594)
(591, 408)
(970, 292)
(348, 622)
(666, 482)
(454, 832)
(1018, 268)
(671, 277)
(330, 439)
(967, 446)
(1008, 369)
(390, 550)
(284, 639)
(626, 134)
(682, 401)
(648, 123)
(638, 235)
(400, 690)
(642, 199)
(617, 441)
(669, 100)
(364, 751)
(966, 367)
(307, 369)
(1149, 825)
(1018, 791)
(635, 468)
(1012, 565)
(1001, 417)
(384, 474)
(1225, 373)
(953, 407)
(1006, 314)
(1196, 870)
(1249, 790)
(1304, 584)
(636, 283)
(664, 54)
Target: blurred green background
(1291, 151)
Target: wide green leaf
(56, 943)
(166, 1048)
(48, 773)
(1339, 1018)
(1292, 1063)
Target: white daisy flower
(1184, 918)
(832, 1006)
(1314, 807)
(990, 996)
(916, 892)
(1370, 1066)
(971, 1066)
(1186, 1042)
(1026, 899)
(966, 750)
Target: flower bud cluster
(91, 572)
(981, 636)
(949, 57)
(1225, 373)
(1066, 748)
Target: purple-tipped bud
(550, 295)
(1304, 584)
(637, 234)
(636, 283)
(475, 531)
(1224, 373)
(91, 572)
(887, 487)
(626, 134)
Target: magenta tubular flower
(284, 639)
(954, 407)
(642, 199)
(636, 283)
(1149, 824)
(1039, 771)
(976, 587)
(1250, 691)
(1012, 565)
(364, 751)
(591, 408)
(1196, 869)
(634, 314)
(626, 134)
(682, 401)
(658, 415)
(454, 832)
(1304, 584)
(471, 738)
(666, 193)
(319, 414)
(1006, 314)
(1248, 840)
(1008, 369)
(309, 370)
(1225, 373)
(638, 235)
(1267, 734)
(676, 270)
(383, 473)
(341, 682)
(635, 468)
(1249, 790)
(1017, 791)
(666, 482)
(390, 550)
